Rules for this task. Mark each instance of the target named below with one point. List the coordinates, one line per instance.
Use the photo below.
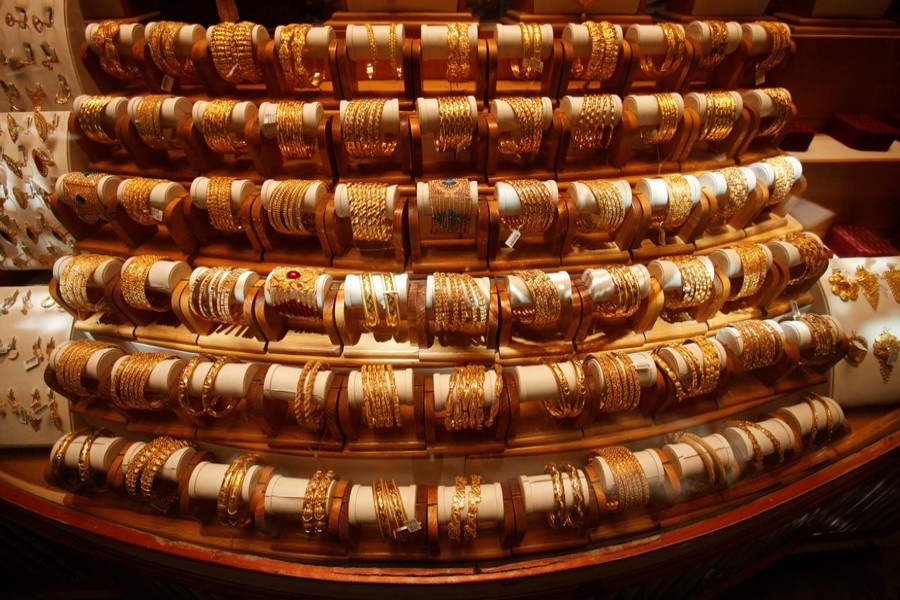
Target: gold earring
(868, 283)
(842, 286)
(55, 417)
(885, 349)
(858, 349)
(892, 278)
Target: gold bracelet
(75, 279)
(761, 345)
(456, 124)
(289, 134)
(781, 111)
(369, 218)
(813, 255)
(575, 517)
(134, 283)
(470, 531)
(454, 529)
(394, 51)
(90, 118)
(697, 284)
(84, 455)
(286, 210)
(230, 506)
(720, 116)
(610, 214)
(362, 132)
(632, 490)
(128, 384)
(604, 54)
(538, 208)
(737, 192)
(217, 127)
(136, 199)
(104, 39)
(163, 40)
(211, 294)
(293, 291)
(218, 205)
(531, 66)
(231, 47)
(679, 203)
(458, 59)
(148, 121)
(559, 515)
(825, 338)
(718, 42)
(526, 140)
(780, 34)
(783, 180)
(675, 50)
(668, 121)
(290, 55)
(596, 122)
(755, 267)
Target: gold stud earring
(842, 286)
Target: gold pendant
(868, 283)
(842, 286)
(885, 349)
(858, 349)
(892, 277)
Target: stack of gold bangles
(369, 218)
(813, 254)
(292, 291)
(675, 44)
(736, 192)
(755, 266)
(562, 514)
(610, 213)
(538, 209)
(372, 307)
(571, 399)
(451, 205)
(545, 307)
(621, 382)
(761, 345)
(702, 375)
(596, 122)
(212, 295)
(231, 47)
(290, 55)
(632, 490)
(136, 198)
(218, 205)
(72, 362)
(285, 207)
(381, 401)
(720, 116)
(456, 531)
(459, 304)
(308, 413)
(780, 34)
(812, 400)
(531, 65)
(455, 124)
(826, 339)
(459, 50)
(80, 192)
(465, 399)
(58, 459)
(696, 283)
(362, 132)
(716, 473)
(74, 282)
(104, 39)
(128, 388)
(292, 140)
(529, 114)
(217, 130)
(784, 176)
(142, 471)
(679, 203)
(628, 293)
(668, 121)
(162, 40)
(90, 118)
(134, 284)
(390, 512)
(781, 111)
(212, 405)
(747, 428)
(718, 41)
(604, 53)
(148, 121)
(315, 502)
(230, 505)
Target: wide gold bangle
(293, 291)
(79, 191)
(736, 192)
(451, 206)
(148, 121)
(784, 176)
(458, 58)
(813, 255)
(231, 47)
(675, 50)
(163, 40)
(134, 283)
(596, 122)
(761, 345)
(104, 40)
(230, 506)
(755, 266)
(369, 218)
(74, 282)
(679, 202)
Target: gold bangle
(90, 118)
(286, 210)
(781, 111)
(761, 344)
(75, 279)
(668, 121)
(369, 217)
(780, 34)
(610, 213)
(293, 291)
(231, 47)
(451, 206)
(81, 194)
(679, 203)
(813, 255)
(136, 199)
(538, 208)
(148, 121)
(218, 205)
(783, 180)
(57, 460)
(456, 124)
(184, 385)
(825, 339)
(307, 517)
(362, 132)
(134, 283)
(163, 41)
(211, 293)
(604, 54)
(720, 116)
(459, 52)
(320, 502)
(218, 130)
(596, 122)
(558, 516)
(72, 361)
(84, 455)
(675, 43)
(394, 51)
(454, 529)
(755, 267)
(546, 306)
(211, 403)
(128, 384)
(231, 508)
(104, 39)
(697, 283)
(737, 192)
(291, 53)
(718, 42)
(575, 517)
(470, 531)
(526, 140)
(632, 488)
(289, 133)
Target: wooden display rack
(757, 147)
(151, 79)
(532, 250)
(433, 252)
(767, 219)
(410, 436)
(225, 249)
(430, 76)
(581, 250)
(738, 70)
(489, 440)
(698, 317)
(117, 319)
(599, 333)
(108, 236)
(428, 163)
(396, 168)
(350, 258)
(650, 244)
(531, 425)
(522, 341)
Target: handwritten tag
(760, 77)
(513, 238)
(168, 82)
(156, 214)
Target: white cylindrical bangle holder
(483, 283)
(572, 105)
(729, 261)
(743, 447)
(206, 481)
(669, 276)
(100, 362)
(689, 464)
(786, 252)
(537, 491)
(281, 383)
(442, 389)
(508, 201)
(316, 42)
(402, 377)
(103, 451)
(642, 361)
(506, 118)
(801, 415)
(390, 116)
(359, 48)
(511, 45)
(489, 509)
(434, 41)
(520, 295)
(699, 31)
(757, 37)
(578, 35)
(232, 381)
(285, 495)
(656, 191)
(342, 200)
(362, 504)
(240, 189)
(650, 39)
(312, 114)
(798, 332)
(353, 296)
(585, 201)
(536, 382)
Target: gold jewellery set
(370, 221)
(596, 122)
(610, 213)
(231, 47)
(291, 57)
(211, 295)
(604, 56)
(452, 209)
(525, 139)
(362, 132)
(465, 400)
(104, 40)
(33, 415)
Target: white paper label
(156, 214)
(513, 238)
(760, 77)
(167, 83)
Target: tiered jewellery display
(604, 53)
(290, 55)
(231, 47)
(529, 114)
(595, 123)
(362, 132)
(674, 36)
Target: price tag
(269, 119)
(536, 65)
(795, 310)
(156, 214)
(32, 363)
(167, 83)
(661, 239)
(513, 238)
(23, 416)
(760, 77)
(231, 72)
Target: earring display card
(30, 415)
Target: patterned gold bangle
(163, 41)
(369, 218)
(134, 283)
(459, 304)
(736, 194)
(720, 116)
(104, 39)
(538, 208)
(454, 529)
(531, 64)
(679, 203)
(230, 506)
(470, 531)
(668, 121)
(90, 118)
(451, 206)
(546, 306)
(718, 42)
(458, 59)
(755, 266)
(231, 46)
(74, 282)
(456, 124)
(780, 34)
(136, 198)
(558, 516)
(217, 127)
(148, 121)
(293, 291)
(604, 54)
(362, 132)
(610, 212)
(211, 295)
(761, 344)
(675, 51)
(781, 111)
(783, 180)
(286, 210)
(575, 517)
(291, 53)
(72, 362)
(218, 205)
(632, 489)
(813, 255)
(596, 122)
(526, 139)
(81, 194)
(292, 139)
(84, 455)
